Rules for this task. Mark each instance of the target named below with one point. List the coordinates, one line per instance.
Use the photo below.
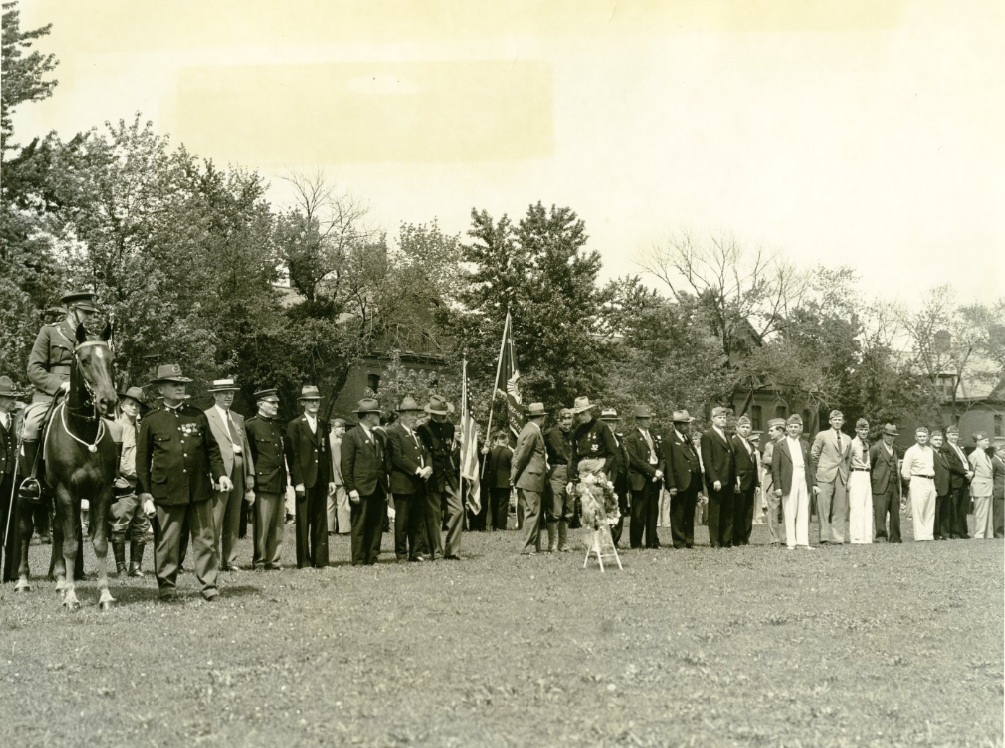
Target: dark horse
(80, 461)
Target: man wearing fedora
(560, 503)
(8, 466)
(307, 450)
(645, 478)
(619, 472)
(720, 479)
(177, 463)
(443, 493)
(830, 454)
(49, 372)
(267, 448)
(228, 430)
(364, 471)
(126, 519)
(530, 470)
(747, 481)
(683, 479)
(960, 476)
(885, 486)
(410, 468)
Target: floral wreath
(598, 501)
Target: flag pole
(464, 407)
(495, 388)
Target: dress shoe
(211, 598)
(418, 557)
(453, 557)
(233, 568)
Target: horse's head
(93, 363)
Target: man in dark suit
(683, 479)
(619, 472)
(794, 478)
(443, 494)
(886, 485)
(177, 462)
(940, 463)
(410, 466)
(268, 452)
(307, 448)
(8, 459)
(645, 478)
(365, 474)
(720, 479)
(747, 482)
(499, 464)
(530, 470)
(959, 484)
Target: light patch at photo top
(367, 112)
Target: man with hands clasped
(410, 466)
(365, 474)
(310, 468)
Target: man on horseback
(49, 371)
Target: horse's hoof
(25, 587)
(71, 604)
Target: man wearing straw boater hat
(268, 455)
(307, 449)
(178, 466)
(364, 471)
(228, 430)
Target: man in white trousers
(793, 478)
(860, 508)
(919, 468)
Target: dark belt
(861, 470)
(929, 477)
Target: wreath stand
(602, 544)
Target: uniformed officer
(49, 371)
(268, 453)
(177, 462)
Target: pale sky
(858, 132)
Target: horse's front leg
(25, 529)
(99, 536)
(64, 553)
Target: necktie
(839, 442)
(232, 429)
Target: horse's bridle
(87, 385)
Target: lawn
(868, 645)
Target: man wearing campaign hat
(645, 479)
(829, 453)
(860, 508)
(443, 495)
(267, 447)
(364, 470)
(720, 479)
(683, 478)
(776, 530)
(178, 466)
(307, 453)
(885, 486)
(228, 430)
(126, 519)
(747, 481)
(49, 368)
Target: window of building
(779, 411)
(373, 382)
(998, 426)
(946, 384)
(756, 418)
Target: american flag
(509, 372)
(469, 447)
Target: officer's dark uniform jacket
(177, 457)
(50, 359)
(592, 440)
(268, 452)
(439, 440)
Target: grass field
(868, 645)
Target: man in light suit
(411, 466)
(886, 486)
(747, 481)
(338, 502)
(830, 452)
(683, 479)
(310, 464)
(645, 479)
(365, 474)
(530, 469)
(793, 478)
(227, 428)
(720, 479)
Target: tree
(25, 71)
(541, 271)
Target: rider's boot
(136, 559)
(30, 490)
(119, 549)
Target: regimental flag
(509, 377)
(469, 447)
